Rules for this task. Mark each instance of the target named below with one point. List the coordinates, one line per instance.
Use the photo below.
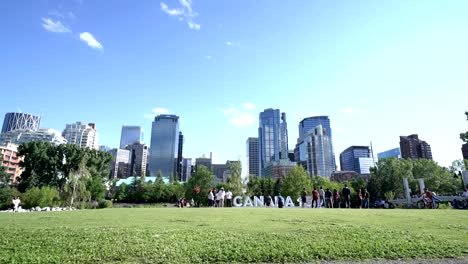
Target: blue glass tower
(164, 145)
(272, 137)
(309, 123)
(130, 135)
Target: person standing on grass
(210, 198)
(346, 195)
(336, 199)
(366, 198)
(304, 198)
(280, 201)
(220, 197)
(315, 197)
(228, 199)
(216, 200)
(16, 202)
(322, 197)
(361, 201)
(328, 196)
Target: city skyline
(361, 65)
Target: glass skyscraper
(357, 158)
(272, 137)
(130, 135)
(164, 145)
(312, 122)
(21, 121)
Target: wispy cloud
(54, 26)
(238, 117)
(233, 44)
(208, 57)
(249, 106)
(90, 40)
(184, 13)
(156, 111)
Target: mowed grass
(172, 235)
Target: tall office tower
(119, 166)
(413, 148)
(130, 135)
(311, 122)
(82, 134)
(14, 121)
(138, 158)
(20, 136)
(164, 145)
(357, 158)
(252, 156)
(465, 151)
(272, 137)
(186, 169)
(179, 156)
(313, 152)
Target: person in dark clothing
(280, 201)
(328, 197)
(366, 198)
(304, 198)
(315, 198)
(336, 199)
(346, 195)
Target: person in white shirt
(322, 197)
(465, 193)
(228, 199)
(210, 198)
(220, 197)
(16, 203)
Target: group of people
(219, 198)
(333, 199)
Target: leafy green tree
(388, 175)
(234, 182)
(199, 185)
(122, 193)
(277, 187)
(6, 197)
(4, 177)
(294, 182)
(260, 186)
(44, 196)
(464, 136)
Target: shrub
(104, 203)
(43, 197)
(6, 197)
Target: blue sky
(379, 69)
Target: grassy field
(153, 235)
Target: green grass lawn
(172, 235)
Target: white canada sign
(240, 201)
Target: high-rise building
(81, 134)
(272, 137)
(9, 158)
(164, 145)
(392, 153)
(14, 121)
(104, 148)
(413, 148)
(130, 135)
(119, 166)
(138, 152)
(186, 169)
(203, 160)
(312, 122)
(465, 151)
(278, 169)
(20, 136)
(313, 151)
(179, 156)
(357, 158)
(252, 156)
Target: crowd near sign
(240, 201)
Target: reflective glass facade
(252, 156)
(130, 135)
(356, 158)
(14, 121)
(272, 137)
(164, 145)
(392, 153)
(310, 123)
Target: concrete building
(272, 137)
(19, 136)
(130, 135)
(179, 156)
(252, 156)
(357, 158)
(164, 145)
(119, 166)
(138, 152)
(392, 153)
(203, 160)
(81, 134)
(186, 169)
(465, 151)
(20, 121)
(413, 148)
(313, 151)
(278, 169)
(10, 160)
(343, 176)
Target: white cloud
(249, 106)
(233, 44)
(171, 12)
(54, 26)
(184, 13)
(238, 118)
(90, 40)
(229, 43)
(160, 110)
(208, 57)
